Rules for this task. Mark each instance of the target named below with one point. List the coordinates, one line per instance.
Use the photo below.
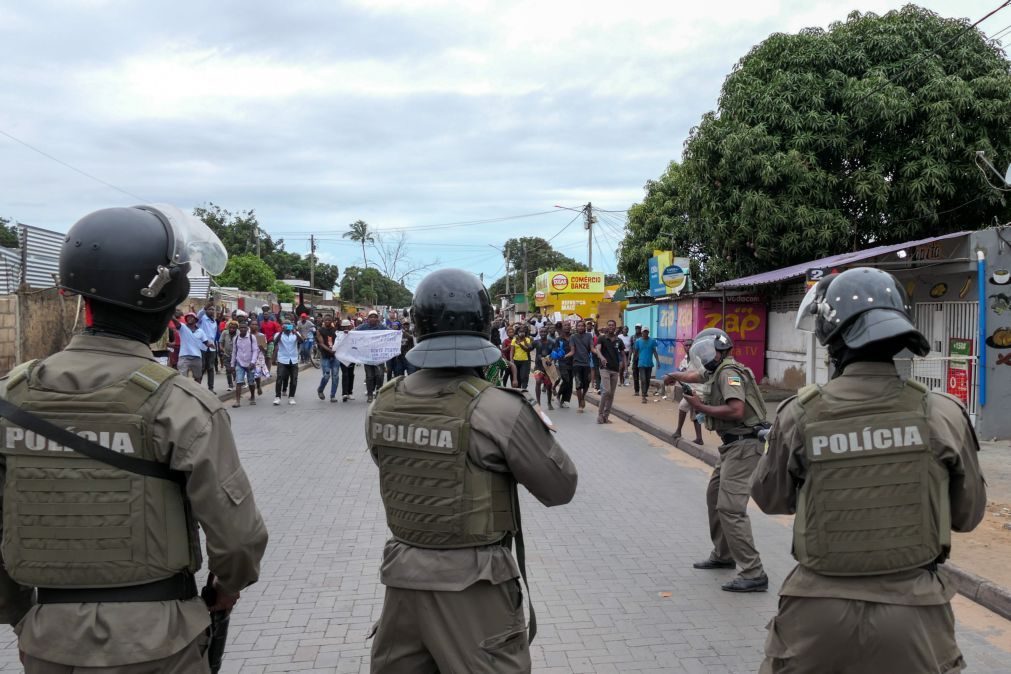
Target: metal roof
(799, 270)
(43, 257)
(10, 270)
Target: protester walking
(243, 363)
(373, 373)
(646, 355)
(326, 341)
(286, 346)
(633, 357)
(192, 345)
(347, 369)
(580, 348)
(626, 343)
(544, 367)
(609, 354)
(564, 361)
(522, 347)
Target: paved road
(597, 566)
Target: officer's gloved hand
(223, 600)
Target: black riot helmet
(452, 315)
(859, 307)
(705, 347)
(137, 258)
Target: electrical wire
(72, 167)
(423, 228)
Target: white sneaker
(229, 389)
(277, 401)
(291, 401)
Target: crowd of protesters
(562, 358)
(248, 347)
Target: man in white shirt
(626, 339)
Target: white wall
(785, 351)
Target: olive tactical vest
(875, 499)
(754, 404)
(434, 495)
(73, 522)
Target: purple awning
(799, 270)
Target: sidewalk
(978, 561)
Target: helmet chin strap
(114, 321)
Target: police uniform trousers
(727, 501)
(848, 636)
(478, 630)
(190, 660)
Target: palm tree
(360, 232)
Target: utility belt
(727, 438)
(181, 586)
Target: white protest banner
(371, 347)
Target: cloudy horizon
(409, 115)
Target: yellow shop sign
(558, 282)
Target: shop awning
(842, 259)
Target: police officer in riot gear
(451, 449)
(109, 539)
(736, 411)
(878, 471)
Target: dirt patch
(986, 550)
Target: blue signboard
(667, 320)
(656, 285)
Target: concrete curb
(984, 592)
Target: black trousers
(522, 373)
(565, 392)
(347, 378)
(209, 360)
(373, 378)
(287, 377)
(635, 376)
(645, 374)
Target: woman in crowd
(522, 347)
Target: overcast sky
(402, 113)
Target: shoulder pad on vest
(152, 376)
(785, 403)
(208, 400)
(391, 384)
(20, 373)
(913, 384)
(808, 393)
(474, 386)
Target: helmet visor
(702, 353)
(192, 240)
(808, 311)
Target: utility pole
(312, 261)
(588, 213)
(257, 234)
(525, 286)
(506, 254)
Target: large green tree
(240, 232)
(369, 286)
(540, 256)
(8, 234)
(247, 272)
(828, 141)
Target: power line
(72, 167)
(422, 228)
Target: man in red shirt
(269, 327)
